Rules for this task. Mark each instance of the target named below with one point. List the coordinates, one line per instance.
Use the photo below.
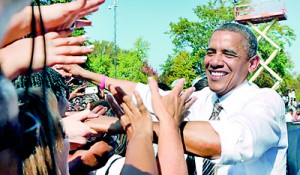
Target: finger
(178, 87)
(63, 33)
(88, 12)
(86, 114)
(102, 111)
(130, 104)
(154, 88)
(92, 4)
(127, 112)
(97, 109)
(190, 102)
(75, 6)
(93, 131)
(140, 103)
(65, 41)
(73, 50)
(83, 23)
(54, 34)
(69, 113)
(88, 107)
(187, 93)
(66, 60)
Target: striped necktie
(209, 166)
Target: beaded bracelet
(102, 85)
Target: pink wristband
(102, 86)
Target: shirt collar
(227, 99)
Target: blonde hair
(40, 161)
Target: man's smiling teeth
(218, 74)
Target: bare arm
(170, 110)
(139, 153)
(201, 139)
(95, 78)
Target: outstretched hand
(70, 70)
(78, 92)
(171, 106)
(61, 16)
(15, 58)
(139, 117)
(76, 130)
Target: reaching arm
(56, 17)
(139, 152)
(81, 73)
(199, 138)
(170, 110)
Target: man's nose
(217, 59)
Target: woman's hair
(38, 160)
(54, 81)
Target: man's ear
(253, 63)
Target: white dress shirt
(252, 128)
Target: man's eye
(230, 55)
(209, 53)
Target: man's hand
(173, 105)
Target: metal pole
(115, 38)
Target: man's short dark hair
(250, 39)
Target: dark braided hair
(54, 81)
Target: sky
(150, 20)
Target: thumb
(88, 106)
(93, 131)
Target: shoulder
(205, 92)
(270, 94)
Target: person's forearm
(201, 139)
(19, 26)
(171, 158)
(105, 124)
(139, 156)
(96, 79)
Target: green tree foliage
(179, 67)
(101, 59)
(131, 64)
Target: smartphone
(91, 90)
(114, 105)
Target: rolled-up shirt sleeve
(247, 134)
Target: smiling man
(234, 123)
